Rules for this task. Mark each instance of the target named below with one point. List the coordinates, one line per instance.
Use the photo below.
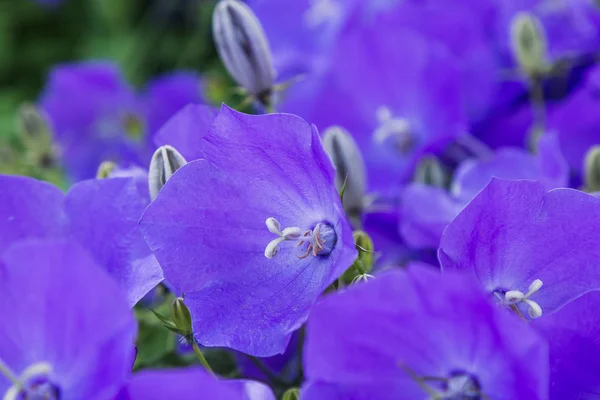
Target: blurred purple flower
(254, 232)
(191, 384)
(164, 96)
(186, 130)
(102, 215)
(573, 334)
(96, 116)
(67, 331)
(532, 250)
(426, 210)
(416, 334)
(575, 134)
(286, 367)
(395, 92)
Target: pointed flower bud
(33, 124)
(36, 136)
(529, 44)
(364, 262)
(431, 172)
(105, 169)
(243, 47)
(181, 316)
(291, 394)
(348, 162)
(592, 169)
(165, 161)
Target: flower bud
(165, 161)
(105, 169)
(181, 317)
(592, 169)
(32, 123)
(243, 47)
(365, 260)
(349, 164)
(529, 44)
(430, 171)
(36, 135)
(291, 394)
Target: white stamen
(534, 287)
(513, 295)
(535, 311)
(291, 233)
(274, 226)
(273, 247)
(516, 296)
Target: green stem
(538, 104)
(201, 357)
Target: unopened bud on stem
(592, 169)
(349, 164)
(181, 317)
(291, 394)
(105, 169)
(430, 172)
(244, 49)
(529, 45)
(165, 161)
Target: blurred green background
(145, 37)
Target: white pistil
(37, 369)
(392, 127)
(515, 296)
(293, 233)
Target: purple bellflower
(191, 384)
(252, 233)
(96, 116)
(532, 250)
(573, 334)
(392, 89)
(102, 215)
(418, 334)
(427, 210)
(67, 331)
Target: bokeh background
(146, 38)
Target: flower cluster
(407, 209)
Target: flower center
(513, 298)
(33, 384)
(394, 130)
(459, 385)
(319, 240)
